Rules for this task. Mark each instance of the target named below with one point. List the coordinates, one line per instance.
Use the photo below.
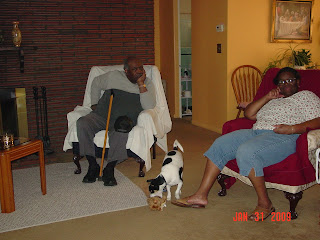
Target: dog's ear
(150, 180)
(160, 180)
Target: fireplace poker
(46, 137)
(41, 117)
(36, 98)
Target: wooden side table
(6, 181)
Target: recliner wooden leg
(154, 151)
(76, 156)
(154, 148)
(293, 198)
(142, 163)
(223, 191)
(76, 159)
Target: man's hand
(274, 93)
(141, 79)
(93, 107)
(283, 129)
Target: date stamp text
(275, 216)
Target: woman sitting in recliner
(281, 116)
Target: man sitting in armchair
(133, 92)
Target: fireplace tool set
(42, 118)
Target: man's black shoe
(108, 174)
(110, 182)
(92, 175)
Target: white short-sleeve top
(298, 108)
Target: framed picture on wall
(292, 21)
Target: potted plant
(301, 58)
(290, 57)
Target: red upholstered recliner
(295, 173)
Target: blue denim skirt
(252, 149)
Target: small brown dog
(157, 203)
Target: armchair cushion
(297, 172)
(152, 122)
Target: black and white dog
(170, 175)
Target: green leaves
(301, 57)
(290, 57)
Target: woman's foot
(193, 201)
(261, 213)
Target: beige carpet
(67, 197)
(215, 222)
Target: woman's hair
(286, 69)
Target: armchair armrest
(237, 124)
(78, 112)
(72, 118)
(313, 138)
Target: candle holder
(6, 141)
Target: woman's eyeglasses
(289, 81)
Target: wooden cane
(105, 137)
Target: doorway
(185, 59)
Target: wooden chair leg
(223, 191)
(142, 163)
(293, 198)
(238, 115)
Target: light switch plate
(220, 28)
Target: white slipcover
(152, 122)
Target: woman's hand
(274, 93)
(283, 129)
(252, 109)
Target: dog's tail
(177, 145)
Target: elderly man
(133, 92)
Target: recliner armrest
(313, 140)
(79, 111)
(149, 119)
(237, 124)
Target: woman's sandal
(183, 202)
(260, 213)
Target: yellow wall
(246, 40)
(157, 57)
(168, 49)
(209, 68)
(249, 34)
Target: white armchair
(151, 123)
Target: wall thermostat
(220, 28)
